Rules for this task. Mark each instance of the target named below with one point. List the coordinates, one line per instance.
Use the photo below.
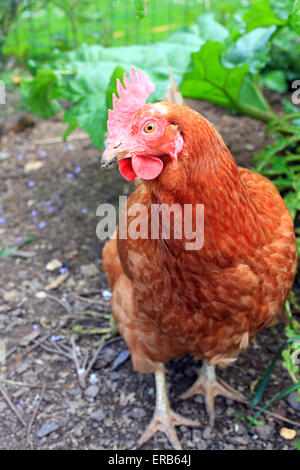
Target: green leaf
(208, 29)
(83, 78)
(294, 18)
(292, 201)
(282, 8)
(140, 8)
(259, 13)
(262, 386)
(274, 80)
(10, 251)
(37, 94)
(290, 108)
(276, 398)
(251, 95)
(73, 124)
(253, 49)
(210, 81)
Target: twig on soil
(23, 254)
(56, 351)
(10, 352)
(35, 345)
(25, 384)
(58, 140)
(57, 282)
(64, 304)
(82, 366)
(93, 360)
(93, 301)
(82, 371)
(277, 416)
(34, 416)
(12, 406)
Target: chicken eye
(149, 127)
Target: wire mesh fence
(35, 27)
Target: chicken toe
(207, 385)
(165, 419)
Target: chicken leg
(164, 418)
(207, 385)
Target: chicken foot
(164, 418)
(207, 385)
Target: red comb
(132, 98)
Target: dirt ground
(49, 193)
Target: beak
(113, 155)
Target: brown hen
(169, 300)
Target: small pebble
(47, 429)
(98, 415)
(53, 265)
(265, 431)
(294, 400)
(89, 270)
(206, 433)
(288, 433)
(106, 294)
(92, 391)
(93, 379)
(41, 295)
(138, 413)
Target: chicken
(169, 298)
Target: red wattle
(146, 167)
(126, 169)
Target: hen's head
(140, 136)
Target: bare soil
(50, 192)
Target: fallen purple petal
(20, 156)
(2, 220)
(55, 338)
(19, 239)
(34, 213)
(53, 209)
(57, 197)
(70, 175)
(77, 170)
(63, 270)
(48, 203)
(21, 403)
(35, 327)
(84, 211)
(30, 184)
(43, 154)
(42, 225)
